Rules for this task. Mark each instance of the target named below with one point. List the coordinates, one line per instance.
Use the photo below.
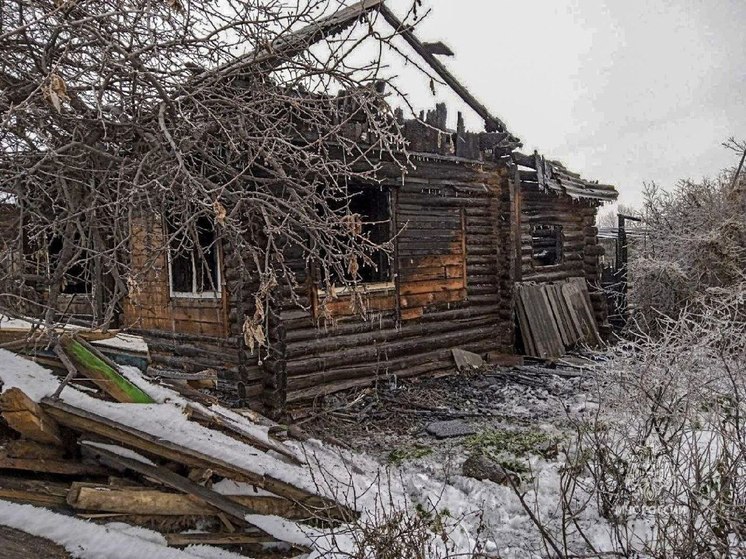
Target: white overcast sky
(621, 91)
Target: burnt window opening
(546, 244)
(193, 258)
(77, 278)
(374, 209)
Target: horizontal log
(150, 501)
(410, 330)
(387, 351)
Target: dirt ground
(15, 544)
(392, 417)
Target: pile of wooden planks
(127, 450)
(554, 317)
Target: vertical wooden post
(517, 227)
(275, 365)
(394, 212)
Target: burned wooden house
(473, 218)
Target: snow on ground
(126, 342)
(469, 510)
(86, 540)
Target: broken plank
(59, 467)
(27, 418)
(208, 538)
(104, 375)
(466, 360)
(156, 502)
(529, 345)
(233, 427)
(87, 422)
(172, 480)
(33, 492)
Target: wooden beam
(174, 481)
(492, 123)
(217, 539)
(33, 492)
(27, 418)
(59, 467)
(106, 377)
(23, 448)
(151, 501)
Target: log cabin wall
(185, 333)
(580, 252)
(451, 287)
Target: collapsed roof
(549, 175)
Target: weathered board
(553, 317)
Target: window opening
(193, 259)
(373, 207)
(546, 244)
(77, 279)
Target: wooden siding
(452, 288)
(580, 249)
(182, 333)
(150, 305)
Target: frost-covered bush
(665, 461)
(695, 240)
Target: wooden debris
(33, 492)
(152, 488)
(22, 448)
(467, 361)
(228, 424)
(211, 538)
(86, 422)
(27, 418)
(504, 359)
(554, 317)
(576, 294)
(190, 393)
(152, 501)
(102, 373)
(50, 466)
(175, 481)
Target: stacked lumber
(126, 449)
(554, 317)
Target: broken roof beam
(289, 45)
(492, 123)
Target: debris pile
(103, 442)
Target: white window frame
(194, 294)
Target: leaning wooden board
(577, 298)
(555, 316)
(545, 339)
(102, 373)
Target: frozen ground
(405, 482)
(520, 419)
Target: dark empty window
(77, 278)
(372, 205)
(546, 244)
(193, 258)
